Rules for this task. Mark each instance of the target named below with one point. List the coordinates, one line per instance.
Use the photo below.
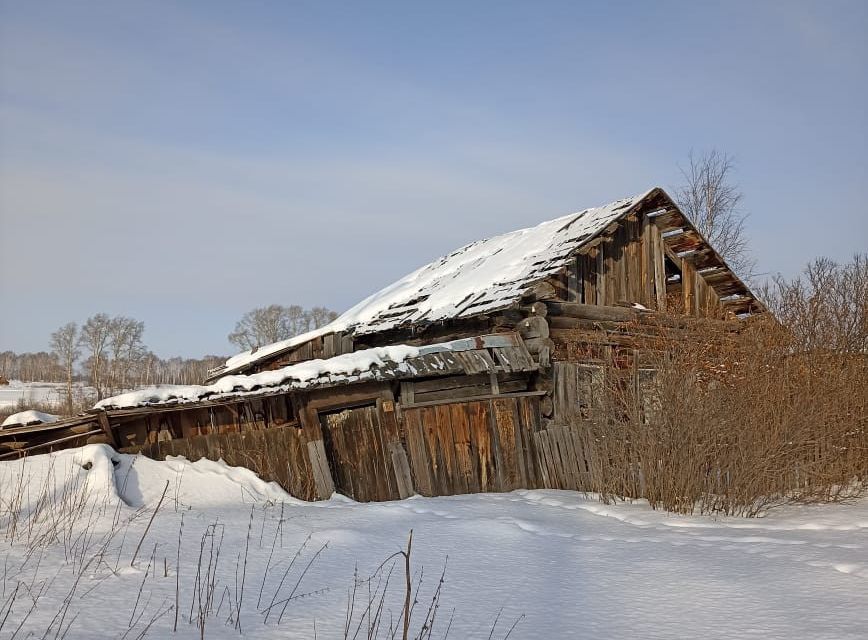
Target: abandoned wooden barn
(461, 377)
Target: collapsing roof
(501, 352)
(494, 274)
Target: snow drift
(89, 554)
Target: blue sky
(185, 162)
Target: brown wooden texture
(468, 447)
(278, 454)
(357, 446)
(563, 458)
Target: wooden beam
(106, 427)
(401, 466)
(434, 403)
(591, 311)
(50, 443)
(322, 475)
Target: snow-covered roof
(467, 356)
(481, 277)
(23, 418)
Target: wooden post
(573, 281)
(659, 257)
(602, 271)
(102, 417)
(495, 385)
(322, 475)
(402, 470)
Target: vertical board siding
(278, 454)
(470, 447)
(357, 447)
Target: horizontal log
(536, 309)
(533, 327)
(591, 311)
(567, 322)
(470, 392)
(520, 394)
(454, 382)
(561, 314)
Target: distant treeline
(109, 354)
(43, 366)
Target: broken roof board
(466, 356)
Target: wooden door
(472, 446)
(358, 455)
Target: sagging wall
(368, 442)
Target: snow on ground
(28, 417)
(30, 393)
(555, 563)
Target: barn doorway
(356, 449)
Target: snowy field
(30, 393)
(552, 563)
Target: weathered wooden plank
(461, 393)
(505, 423)
(446, 445)
(480, 435)
(401, 467)
(464, 450)
(573, 281)
(325, 486)
(385, 466)
(428, 417)
(525, 427)
(541, 466)
(420, 465)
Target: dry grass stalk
(709, 420)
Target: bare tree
(126, 349)
(275, 322)
(319, 317)
(64, 345)
(711, 200)
(28, 367)
(94, 337)
(826, 307)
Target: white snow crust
(17, 392)
(555, 563)
(31, 416)
(349, 367)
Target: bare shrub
(708, 419)
(826, 307)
